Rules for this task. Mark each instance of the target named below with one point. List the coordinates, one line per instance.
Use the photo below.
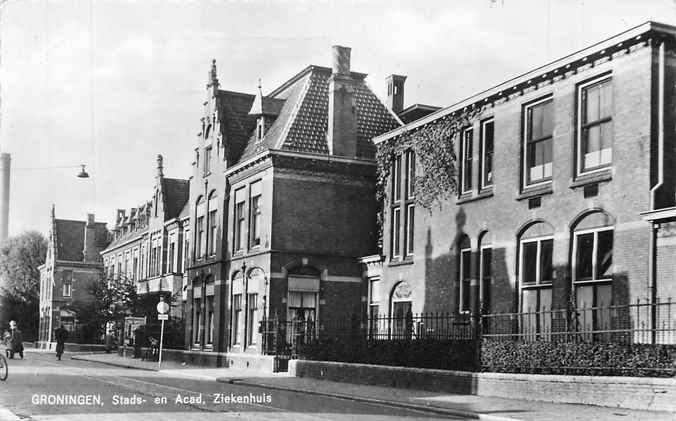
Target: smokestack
(160, 166)
(395, 93)
(90, 252)
(342, 130)
(5, 166)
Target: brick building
(282, 204)
(72, 263)
(149, 240)
(566, 184)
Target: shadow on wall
(442, 272)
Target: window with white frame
(396, 237)
(539, 130)
(465, 279)
(256, 214)
(410, 174)
(240, 219)
(213, 223)
(594, 132)
(487, 136)
(410, 228)
(396, 179)
(593, 272)
(199, 228)
(67, 281)
(237, 319)
(536, 276)
(466, 161)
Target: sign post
(162, 309)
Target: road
(36, 384)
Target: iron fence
(635, 323)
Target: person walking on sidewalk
(61, 335)
(15, 341)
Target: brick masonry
(498, 215)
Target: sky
(111, 84)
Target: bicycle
(3, 367)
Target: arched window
(464, 274)
(485, 271)
(536, 273)
(402, 322)
(592, 269)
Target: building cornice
(547, 73)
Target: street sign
(162, 307)
(162, 317)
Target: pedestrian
(138, 341)
(61, 334)
(16, 340)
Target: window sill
(593, 281)
(400, 262)
(533, 286)
(596, 177)
(535, 192)
(484, 194)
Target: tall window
(485, 276)
(200, 248)
(595, 125)
(465, 279)
(67, 280)
(197, 320)
(135, 268)
(207, 160)
(410, 174)
(396, 227)
(210, 320)
(593, 274)
(170, 258)
(213, 223)
(396, 179)
(466, 161)
(539, 129)
(239, 220)
(536, 279)
(255, 217)
(410, 227)
(252, 318)
(236, 318)
(487, 135)
(186, 250)
(212, 232)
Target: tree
(20, 257)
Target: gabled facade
(282, 204)
(566, 184)
(71, 265)
(148, 242)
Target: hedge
(581, 358)
(444, 355)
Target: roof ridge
(294, 113)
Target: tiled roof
(70, 239)
(176, 193)
(302, 123)
(236, 123)
(129, 236)
(185, 212)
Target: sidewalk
(468, 406)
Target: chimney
(342, 130)
(160, 166)
(395, 92)
(119, 220)
(90, 252)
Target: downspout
(652, 261)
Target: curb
(424, 408)
(79, 358)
